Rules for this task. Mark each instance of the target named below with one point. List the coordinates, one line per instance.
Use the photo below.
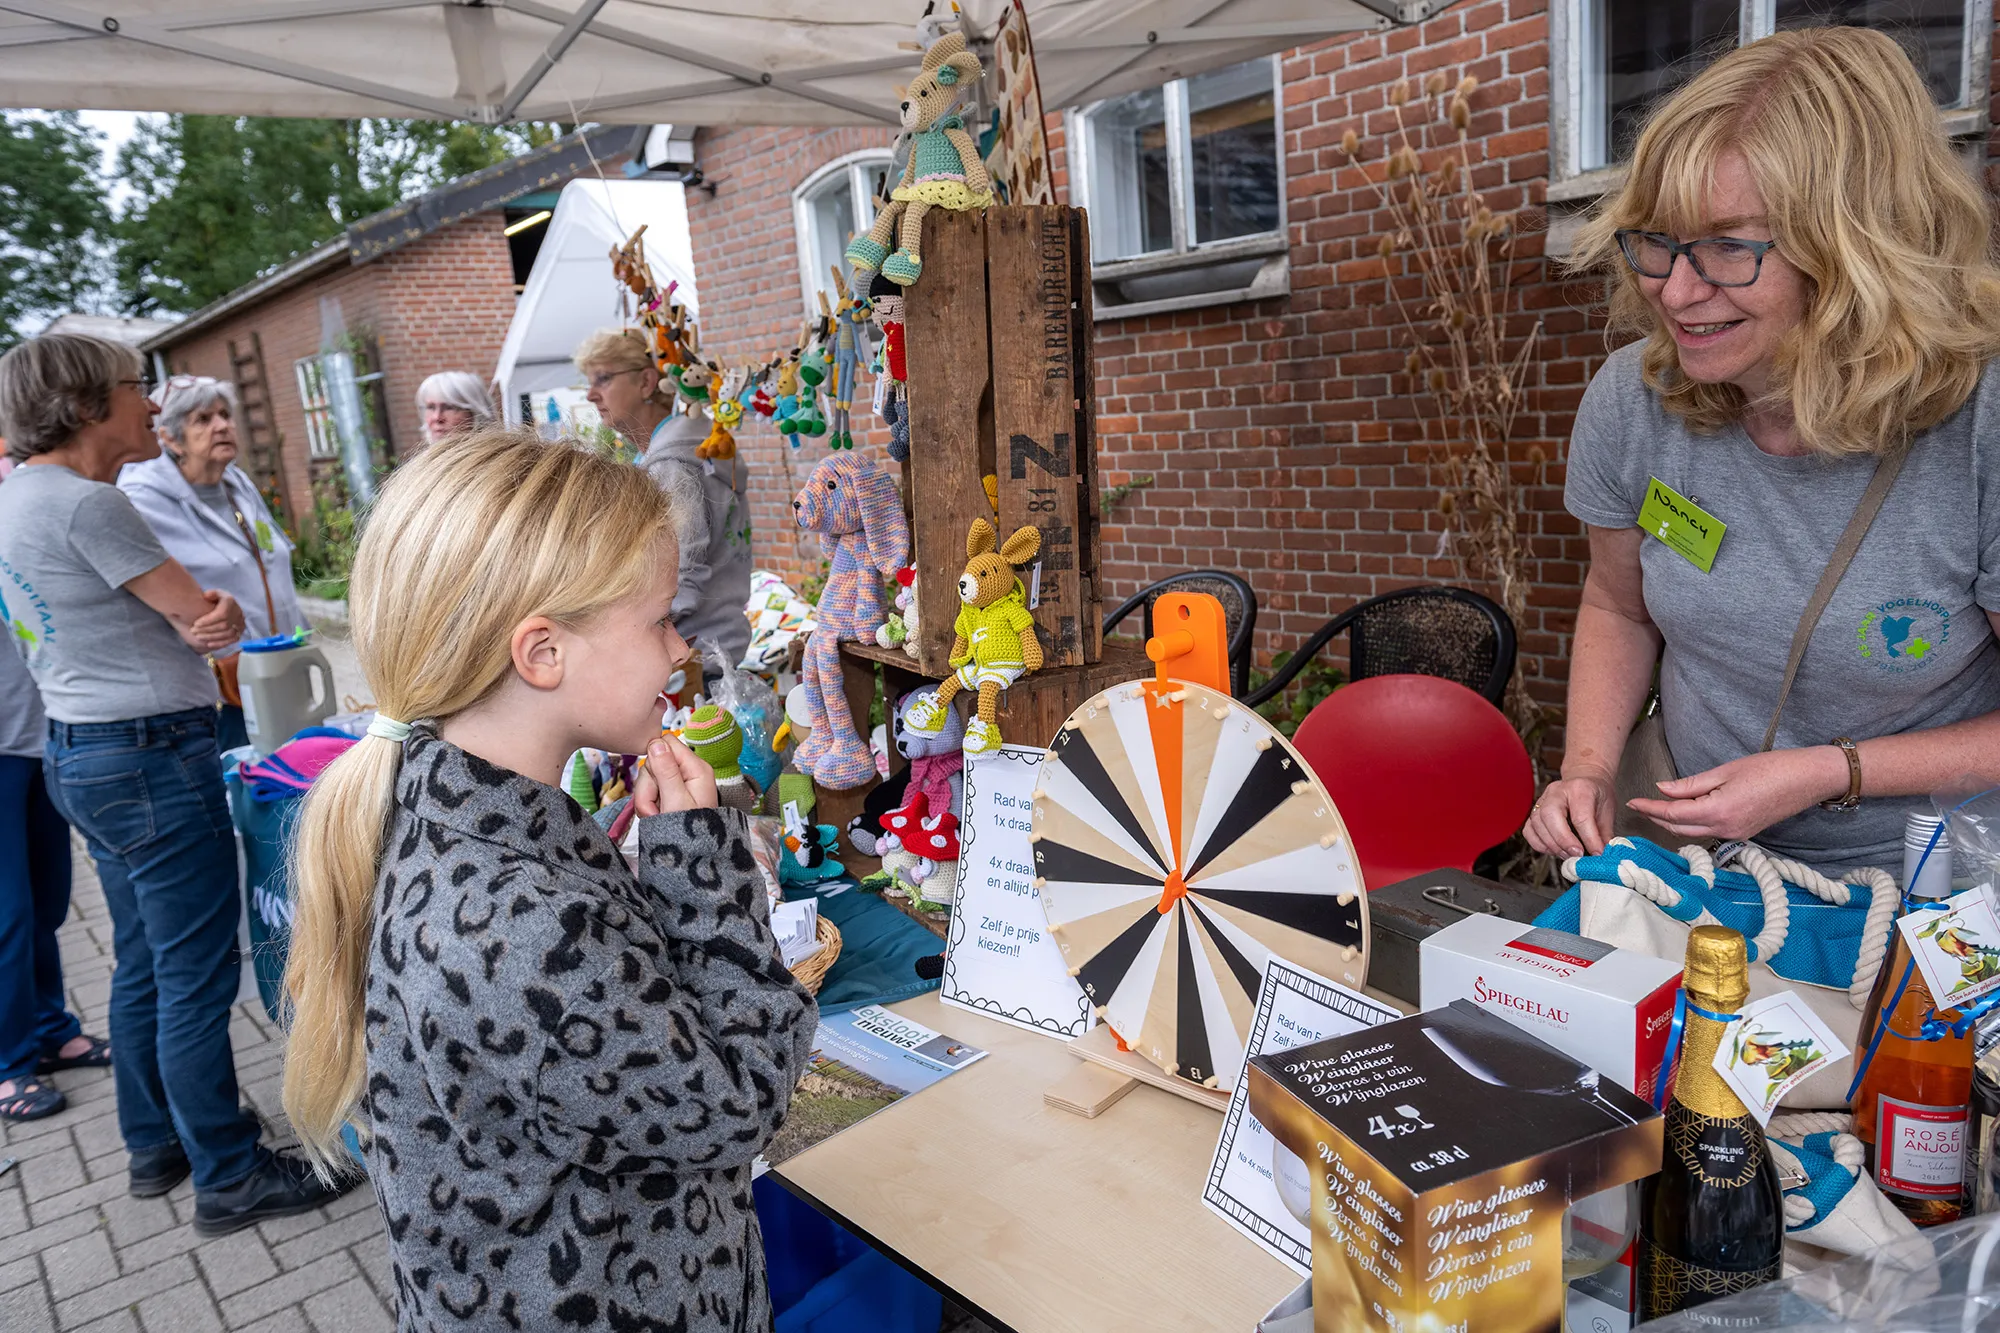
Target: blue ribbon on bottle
(1682, 1008)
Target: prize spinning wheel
(1180, 841)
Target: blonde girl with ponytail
(554, 1066)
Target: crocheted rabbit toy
(944, 170)
(853, 506)
(994, 641)
(848, 317)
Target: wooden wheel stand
(998, 333)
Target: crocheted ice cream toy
(713, 734)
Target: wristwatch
(1853, 798)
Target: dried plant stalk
(1449, 268)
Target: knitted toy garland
(994, 641)
(944, 170)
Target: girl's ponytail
(468, 539)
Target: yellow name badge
(1690, 531)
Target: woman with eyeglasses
(208, 514)
(115, 633)
(1809, 265)
(452, 401)
(626, 389)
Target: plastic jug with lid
(275, 677)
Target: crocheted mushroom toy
(920, 852)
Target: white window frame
(1272, 279)
(322, 440)
(1571, 75)
(855, 166)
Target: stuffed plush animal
(721, 443)
(899, 630)
(994, 643)
(920, 851)
(712, 734)
(853, 506)
(944, 170)
(809, 850)
(936, 767)
(848, 317)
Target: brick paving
(78, 1253)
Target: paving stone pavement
(78, 1253)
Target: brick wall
(442, 302)
(1279, 439)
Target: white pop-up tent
(571, 293)
(725, 62)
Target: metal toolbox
(1402, 915)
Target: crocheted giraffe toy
(853, 506)
(944, 170)
(994, 643)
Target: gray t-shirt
(67, 545)
(216, 498)
(1905, 643)
(22, 726)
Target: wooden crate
(999, 338)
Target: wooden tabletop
(1038, 1220)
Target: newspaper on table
(863, 1061)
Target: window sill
(1256, 269)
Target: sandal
(32, 1101)
(96, 1056)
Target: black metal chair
(1239, 607)
(1427, 631)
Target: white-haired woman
(1809, 265)
(209, 515)
(625, 389)
(452, 401)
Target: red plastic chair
(1426, 774)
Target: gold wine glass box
(1441, 1152)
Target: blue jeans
(147, 795)
(34, 899)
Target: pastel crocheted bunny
(944, 170)
(853, 506)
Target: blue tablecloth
(879, 949)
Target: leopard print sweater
(570, 1069)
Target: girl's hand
(1572, 817)
(1743, 797)
(674, 778)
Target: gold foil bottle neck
(1717, 972)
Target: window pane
(829, 224)
(1932, 31)
(1131, 203)
(1650, 48)
(1233, 152)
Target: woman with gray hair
(208, 514)
(114, 631)
(452, 401)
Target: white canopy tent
(726, 62)
(571, 293)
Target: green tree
(52, 220)
(218, 199)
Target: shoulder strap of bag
(1836, 566)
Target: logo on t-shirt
(25, 619)
(1904, 633)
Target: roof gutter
(292, 271)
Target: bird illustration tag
(1773, 1045)
(1957, 947)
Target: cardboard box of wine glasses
(1609, 1008)
(1441, 1154)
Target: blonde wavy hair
(617, 350)
(468, 539)
(1866, 198)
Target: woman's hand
(1572, 817)
(1743, 797)
(218, 627)
(674, 778)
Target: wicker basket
(812, 970)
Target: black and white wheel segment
(1180, 841)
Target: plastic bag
(1971, 811)
(1945, 1280)
(758, 713)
